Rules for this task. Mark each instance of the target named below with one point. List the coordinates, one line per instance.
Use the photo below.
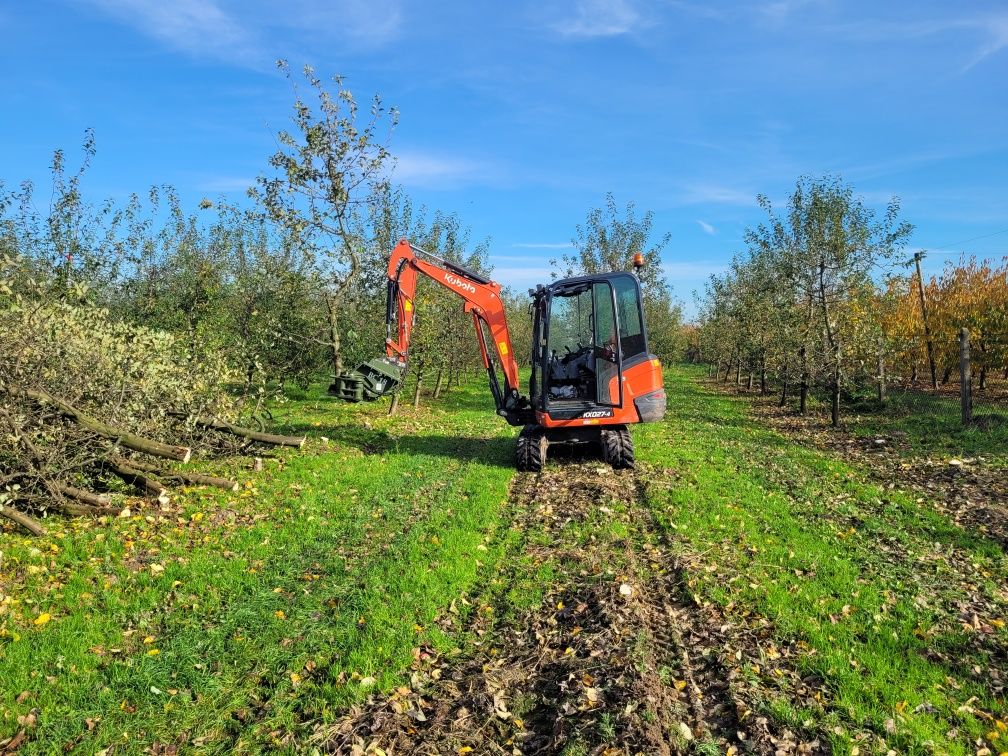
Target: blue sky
(521, 116)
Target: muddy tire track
(617, 658)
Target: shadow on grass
(497, 451)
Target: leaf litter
(618, 657)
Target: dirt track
(617, 657)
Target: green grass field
(231, 622)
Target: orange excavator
(592, 373)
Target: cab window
(631, 325)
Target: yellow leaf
(153, 652)
(148, 640)
(679, 684)
(42, 619)
(279, 614)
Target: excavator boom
(481, 298)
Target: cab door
(608, 354)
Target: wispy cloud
(543, 245)
(716, 194)
(707, 227)
(996, 29)
(363, 23)
(991, 27)
(600, 18)
(432, 171)
(246, 33)
(193, 26)
(780, 10)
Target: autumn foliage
(972, 294)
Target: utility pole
(918, 256)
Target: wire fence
(969, 381)
(960, 381)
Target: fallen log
(182, 478)
(28, 523)
(77, 494)
(144, 482)
(82, 509)
(269, 439)
(129, 440)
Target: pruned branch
(129, 440)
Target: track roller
(617, 447)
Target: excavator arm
(481, 297)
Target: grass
(863, 576)
(295, 597)
(227, 622)
(933, 425)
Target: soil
(617, 658)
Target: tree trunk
(394, 404)
(439, 383)
(738, 372)
(881, 373)
(835, 405)
(83, 510)
(982, 381)
(77, 494)
(145, 483)
(419, 385)
(762, 377)
(834, 345)
(335, 352)
(28, 523)
(750, 381)
(946, 375)
(181, 478)
(803, 389)
(130, 441)
(783, 393)
(270, 439)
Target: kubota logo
(460, 283)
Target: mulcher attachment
(617, 447)
(369, 381)
(530, 456)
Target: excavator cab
(592, 373)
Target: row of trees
(820, 299)
(147, 318)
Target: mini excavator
(592, 373)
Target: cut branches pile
(92, 406)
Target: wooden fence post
(881, 372)
(965, 379)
